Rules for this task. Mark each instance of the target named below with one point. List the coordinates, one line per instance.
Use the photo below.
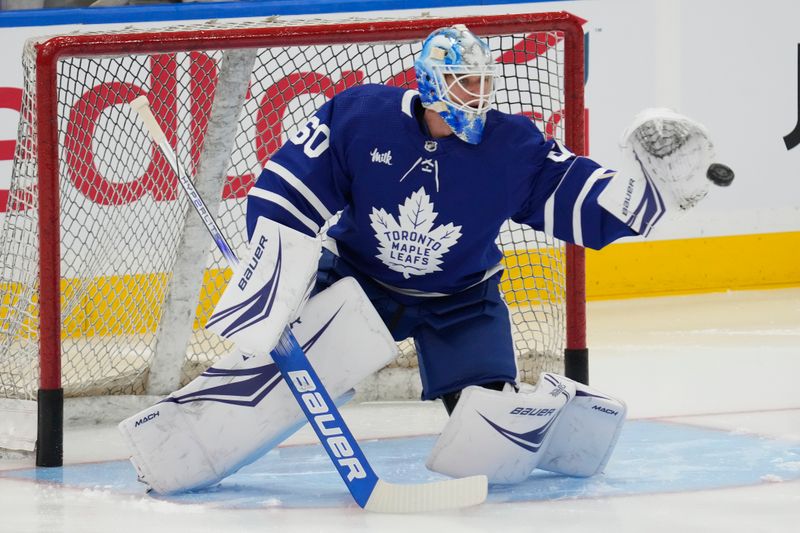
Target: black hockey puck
(720, 174)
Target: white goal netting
(126, 263)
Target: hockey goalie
(423, 181)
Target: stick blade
(427, 497)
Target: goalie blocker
(268, 289)
(560, 425)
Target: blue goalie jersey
(421, 215)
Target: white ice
(727, 361)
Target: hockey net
(105, 284)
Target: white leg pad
(500, 434)
(240, 408)
(585, 435)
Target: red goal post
(88, 324)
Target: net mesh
(123, 214)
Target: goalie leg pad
(500, 434)
(585, 435)
(240, 408)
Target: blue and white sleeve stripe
(577, 219)
(288, 206)
(569, 211)
(300, 187)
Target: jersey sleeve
(304, 183)
(561, 199)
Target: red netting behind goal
(102, 270)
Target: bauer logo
(251, 267)
(605, 410)
(530, 411)
(145, 419)
(626, 203)
(326, 425)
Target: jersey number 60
(308, 134)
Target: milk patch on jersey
(381, 157)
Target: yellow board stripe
(625, 270)
(685, 266)
(533, 276)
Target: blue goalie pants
(463, 339)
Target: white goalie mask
(456, 78)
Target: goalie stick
(367, 489)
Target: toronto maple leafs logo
(410, 244)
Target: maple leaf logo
(410, 244)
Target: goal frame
(49, 448)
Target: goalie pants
(463, 339)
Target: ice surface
(713, 444)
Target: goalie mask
(455, 76)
